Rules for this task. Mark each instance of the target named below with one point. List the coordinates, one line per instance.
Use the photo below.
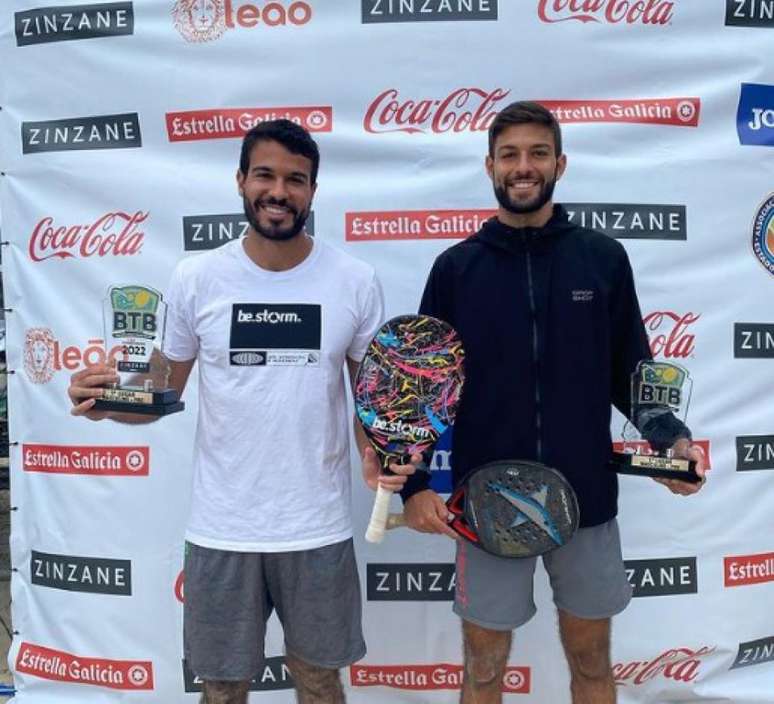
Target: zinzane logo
(754, 452)
(202, 232)
(753, 340)
(750, 13)
(58, 24)
(273, 675)
(674, 575)
(374, 11)
(754, 652)
(410, 582)
(207, 20)
(81, 574)
(121, 131)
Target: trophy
(661, 392)
(134, 319)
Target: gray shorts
(229, 596)
(587, 576)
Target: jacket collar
(515, 240)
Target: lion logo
(39, 355)
(199, 20)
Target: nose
(278, 190)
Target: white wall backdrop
(119, 140)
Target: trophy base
(131, 400)
(655, 466)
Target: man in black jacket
(549, 318)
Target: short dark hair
(525, 112)
(290, 135)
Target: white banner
(119, 140)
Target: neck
(538, 218)
(277, 255)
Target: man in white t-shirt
(272, 319)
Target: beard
(275, 232)
(529, 206)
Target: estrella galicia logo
(674, 575)
(755, 114)
(272, 676)
(380, 11)
(754, 452)
(753, 340)
(754, 652)
(750, 13)
(763, 234)
(97, 575)
(631, 220)
(65, 23)
(414, 581)
(121, 131)
(202, 232)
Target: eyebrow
(268, 169)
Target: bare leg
(486, 655)
(223, 692)
(315, 685)
(587, 649)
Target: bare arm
(88, 385)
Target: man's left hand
(685, 450)
(372, 471)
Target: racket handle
(378, 522)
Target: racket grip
(378, 523)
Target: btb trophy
(134, 319)
(660, 390)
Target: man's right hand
(426, 512)
(86, 386)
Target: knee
(223, 692)
(592, 663)
(486, 668)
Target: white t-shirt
(271, 457)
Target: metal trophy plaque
(657, 388)
(134, 319)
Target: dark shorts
(587, 576)
(229, 597)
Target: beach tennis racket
(512, 508)
(406, 394)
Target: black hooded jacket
(552, 332)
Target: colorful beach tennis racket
(407, 390)
(512, 508)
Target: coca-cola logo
(668, 333)
(652, 12)
(464, 109)
(112, 234)
(678, 664)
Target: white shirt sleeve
(371, 317)
(180, 341)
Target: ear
(240, 179)
(561, 165)
(489, 166)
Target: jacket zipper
(535, 350)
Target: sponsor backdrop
(119, 136)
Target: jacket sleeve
(658, 426)
(435, 303)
